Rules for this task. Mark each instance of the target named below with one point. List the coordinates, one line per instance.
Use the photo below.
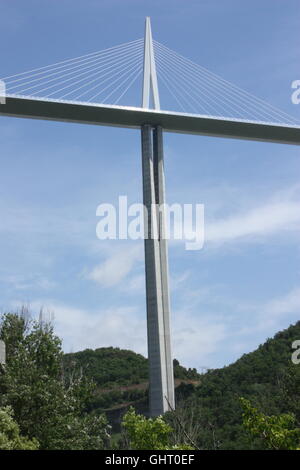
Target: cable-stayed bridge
(104, 88)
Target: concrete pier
(156, 266)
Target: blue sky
(227, 298)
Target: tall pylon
(149, 76)
(161, 376)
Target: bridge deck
(134, 118)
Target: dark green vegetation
(38, 399)
(276, 432)
(49, 400)
(121, 376)
(149, 433)
(267, 377)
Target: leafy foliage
(10, 438)
(210, 411)
(148, 434)
(50, 400)
(110, 366)
(276, 432)
(266, 377)
(121, 376)
(48, 404)
(113, 367)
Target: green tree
(48, 404)
(277, 432)
(148, 434)
(289, 389)
(10, 438)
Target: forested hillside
(267, 377)
(207, 404)
(51, 400)
(121, 376)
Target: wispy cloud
(278, 215)
(197, 337)
(23, 282)
(194, 339)
(268, 316)
(251, 221)
(263, 220)
(116, 267)
(122, 327)
(289, 303)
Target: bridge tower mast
(161, 388)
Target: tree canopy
(48, 404)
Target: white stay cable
(253, 101)
(112, 83)
(76, 59)
(100, 79)
(216, 90)
(116, 55)
(232, 100)
(111, 72)
(130, 84)
(197, 91)
(136, 72)
(216, 95)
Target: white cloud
(20, 282)
(135, 284)
(264, 220)
(194, 338)
(179, 281)
(122, 327)
(252, 221)
(198, 335)
(116, 267)
(269, 316)
(289, 303)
